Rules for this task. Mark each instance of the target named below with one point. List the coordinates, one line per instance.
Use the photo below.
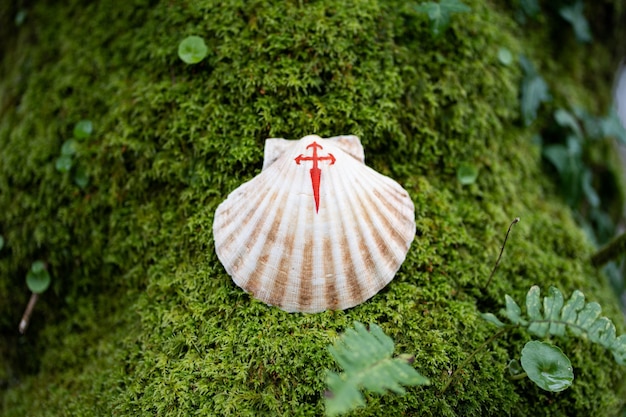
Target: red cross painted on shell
(317, 229)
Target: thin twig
(495, 267)
(28, 312)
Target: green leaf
(619, 349)
(505, 56)
(588, 315)
(467, 174)
(530, 7)
(38, 278)
(570, 310)
(1, 242)
(513, 311)
(567, 120)
(573, 13)
(192, 49)
(589, 192)
(366, 357)
(534, 91)
(602, 331)
(20, 17)
(440, 13)
(610, 125)
(83, 129)
(515, 368)
(547, 366)
(491, 318)
(533, 308)
(582, 319)
(558, 155)
(63, 163)
(552, 305)
(69, 147)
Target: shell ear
(351, 145)
(274, 148)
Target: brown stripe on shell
(356, 294)
(369, 207)
(305, 294)
(330, 289)
(254, 280)
(396, 236)
(279, 285)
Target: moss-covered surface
(142, 318)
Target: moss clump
(141, 317)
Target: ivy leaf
(366, 357)
(573, 13)
(534, 91)
(547, 366)
(440, 13)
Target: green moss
(141, 317)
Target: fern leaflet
(366, 357)
(552, 315)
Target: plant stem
(610, 251)
(471, 356)
(518, 376)
(29, 310)
(493, 271)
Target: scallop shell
(317, 229)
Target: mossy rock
(141, 318)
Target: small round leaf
(505, 57)
(83, 129)
(547, 366)
(192, 49)
(63, 163)
(69, 147)
(38, 278)
(467, 174)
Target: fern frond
(552, 315)
(366, 358)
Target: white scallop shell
(301, 253)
